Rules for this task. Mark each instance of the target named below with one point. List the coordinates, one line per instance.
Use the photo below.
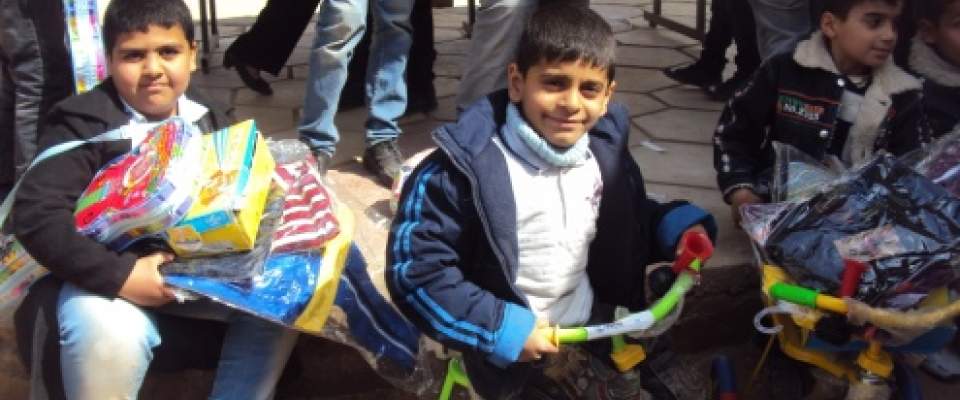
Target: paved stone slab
(443, 35)
(449, 20)
(268, 119)
(680, 125)
(286, 93)
(445, 86)
(638, 103)
(732, 246)
(641, 80)
(457, 47)
(224, 96)
(446, 109)
(300, 72)
(216, 78)
(653, 38)
(682, 163)
(637, 3)
(686, 96)
(448, 65)
(617, 11)
(650, 57)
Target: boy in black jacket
(935, 56)
(838, 93)
(108, 300)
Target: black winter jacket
(43, 212)
(795, 99)
(941, 88)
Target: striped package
(308, 221)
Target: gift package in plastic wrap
(144, 192)
(901, 224)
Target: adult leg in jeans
(340, 26)
(386, 86)
(492, 45)
(780, 24)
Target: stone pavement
(671, 140)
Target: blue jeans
(340, 26)
(106, 347)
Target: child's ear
(193, 56)
(609, 95)
(514, 83)
(927, 31)
(828, 24)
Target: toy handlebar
(807, 297)
(696, 249)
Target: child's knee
(102, 330)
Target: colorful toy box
(235, 174)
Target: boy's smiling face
(944, 35)
(561, 100)
(865, 38)
(152, 69)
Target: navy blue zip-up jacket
(452, 250)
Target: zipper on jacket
(483, 216)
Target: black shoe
(323, 161)
(384, 161)
(724, 91)
(695, 74)
(253, 81)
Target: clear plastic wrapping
(902, 224)
(324, 290)
(942, 162)
(798, 176)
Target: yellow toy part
(314, 316)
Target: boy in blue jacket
(532, 213)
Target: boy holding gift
(106, 307)
(838, 93)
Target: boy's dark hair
(932, 10)
(563, 33)
(841, 8)
(124, 16)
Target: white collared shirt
(189, 110)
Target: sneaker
(383, 160)
(694, 74)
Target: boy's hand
(538, 343)
(145, 286)
(740, 197)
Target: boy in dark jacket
(531, 213)
(107, 304)
(935, 56)
(838, 93)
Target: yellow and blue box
(233, 185)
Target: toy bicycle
(625, 355)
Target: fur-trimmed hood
(888, 80)
(926, 62)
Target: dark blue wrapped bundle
(905, 226)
